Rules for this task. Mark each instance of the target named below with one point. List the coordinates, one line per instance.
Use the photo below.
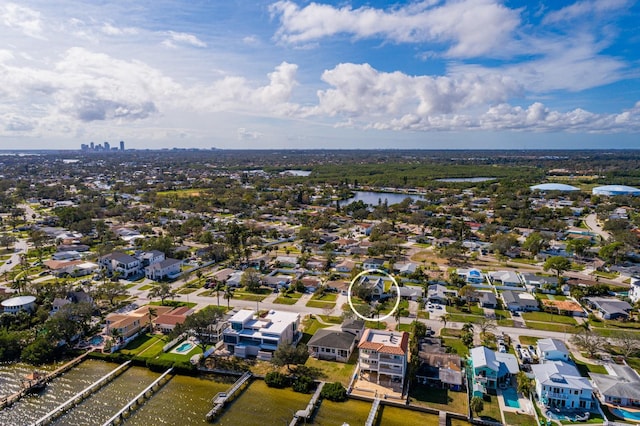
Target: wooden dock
(13, 398)
(221, 398)
(373, 413)
(311, 406)
(143, 396)
(81, 396)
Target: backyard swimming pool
(97, 340)
(510, 398)
(184, 348)
(625, 414)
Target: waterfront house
(249, 335)
(166, 322)
(491, 369)
(438, 368)
(383, 356)
(620, 387)
(19, 303)
(333, 345)
(558, 384)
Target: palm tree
(217, 288)
(467, 327)
(228, 294)
(445, 318)
(151, 311)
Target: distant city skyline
(293, 74)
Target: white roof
(560, 374)
(548, 345)
(18, 301)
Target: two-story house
(383, 356)
(491, 369)
(559, 384)
(249, 335)
(125, 265)
(552, 350)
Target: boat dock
(311, 406)
(373, 413)
(8, 400)
(147, 393)
(221, 398)
(81, 396)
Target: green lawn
(310, 328)
(335, 371)
(440, 399)
(529, 340)
(146, 287)
(547, 317)
(252, 297)
(548, 326)
(326, 297)
(285, 300)
(465, 310)
(585, 368)
(423, 315)
(320, 304)
(330, 319)
(491, 409)
(456, 345)
(404, 327)
(519, 419)
(146, 345)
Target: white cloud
(23, 18)
(580, 9)
(244, 134)
(473, 27)
(176, 38)
(112, 30)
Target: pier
(221, 398)
(6, 401)
(147, 393)
(311, 406)
(373, 413)
(82, 395)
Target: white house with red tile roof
(383, 354)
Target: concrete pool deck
(525, 406)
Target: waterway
(471, 179)
(373, 198)
(183, 400)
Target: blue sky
(328, 74)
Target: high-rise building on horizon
(107, 146)
(121, 145)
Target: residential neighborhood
(462, 299)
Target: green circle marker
(370, 271)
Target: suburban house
(249, 335)
(72, 297)
(505, 278)
(552, 350)
(125, 265)
(437, 293)
(383, 356)
(487, 299)
(150, 257)
(374, 283)
(72, 268)
(539, 283)
(472, 276)
(609, 307)
(519, 301)
(491, 369)
(330, 344)
(621, 387)
(166, 322)
(167, 268)
(346, 266)
(129, 324)
(559, 384)
(438, 368)
(409, 292)
(353, 326)
(634, 290)
(405, 268)
(372, 263)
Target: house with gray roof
(487, 299)
(334, 345)
(437, 293)
(519, 301)
(609, 307)
(552, 350)
(539, 283)
(490, 368)
(559, 384)
(620, 387)
(505, 278)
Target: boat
(34, 381)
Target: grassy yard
(326, 297)
(252, 297)
(456, 345)
(330, 319)
(465, 310)
(283, 300)
(529, 340)
(174, 303)
(585, 368)
(310, 328)
(376, 325)
(547, 317)
(145, 287)
(320, 304)
(549, 326)
(146, 345)
(423, 315)
(519, 419)
(491, 409)
(335, 371)
(441, 399)
(404, 327)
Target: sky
(253, 74)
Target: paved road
(20, 247)
(592, 223)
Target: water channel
(182, 401)
(372, 198)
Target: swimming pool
(510, 398)
(627, 415)
(97, 340)
(184, 347)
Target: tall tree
(559, 264)
(203, 326)
(287, 354)
(162, 291)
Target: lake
(372, 198)
(472, 179)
